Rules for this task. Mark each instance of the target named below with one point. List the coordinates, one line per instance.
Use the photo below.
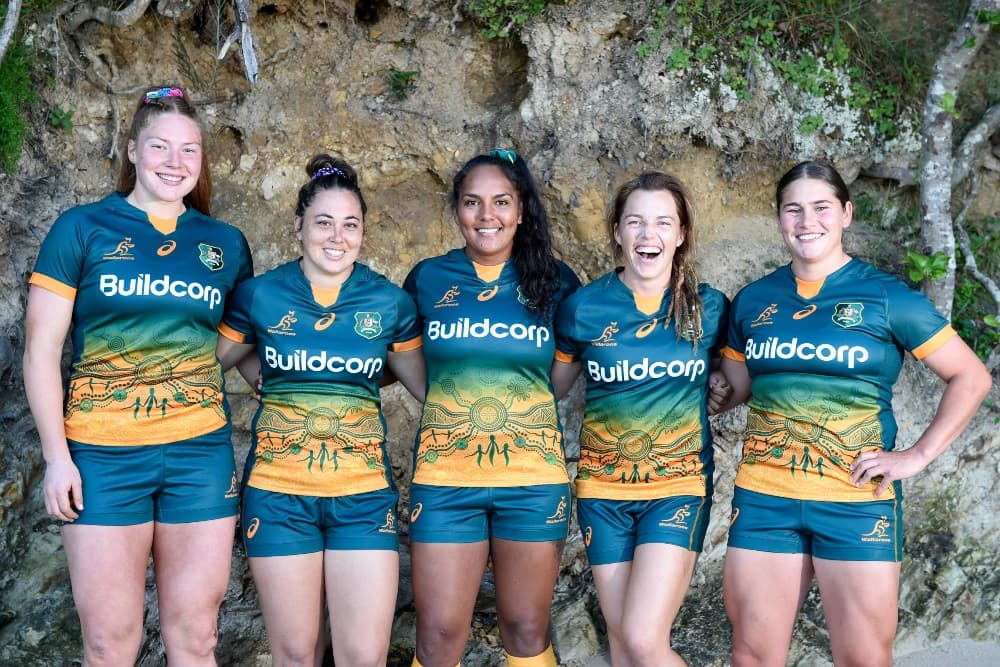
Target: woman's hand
(719, 392)
(886, 467)
(63, 490)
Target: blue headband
(329, 170)
(504, 154)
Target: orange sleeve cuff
(934, 342)
(730, 353)
(564, 358)
(231, 333)
(53, 285)
(408, 345)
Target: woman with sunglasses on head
(647, 335)
(490, 478)
(319, 505)
(139, 459)
(817, 346)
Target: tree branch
(977, 136)
(120, 19)
(965, 243)
(9, 25)
(936, 161)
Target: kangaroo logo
(121, 250)
(234, 488)
(449, 298)
(765, 316)
(284, 325)
(390, 523)
(878, 533)
(607, 337)
(679, 519)
(559, 516)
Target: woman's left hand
(888, 466)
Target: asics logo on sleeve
(486, 328)
(774, 348)
(302, 360)
(146, 285)
(625, 371)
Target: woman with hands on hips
(816, 346)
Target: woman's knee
(112, 645)
(525, 634)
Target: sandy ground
(964, 652)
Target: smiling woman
(139, 278)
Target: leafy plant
(401, 82)
(500, 18)
(926, 267)
(16, 94)
(811, 123)
(975, 314)
(61, 119)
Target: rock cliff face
(571, 96)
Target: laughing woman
(319, 507)
(141, 278)
(646, 334)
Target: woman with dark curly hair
(490, 477)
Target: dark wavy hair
(532, 253)
(819, 170)
(686, 305)
(328, 173)
(201, 197)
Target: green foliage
(500, 18)
(948, 104)
(401, 82)
(921, 267)
(16, 94)
(987, 16)
(61, 119)
(811, 123)
(974, 314)
(885, 48)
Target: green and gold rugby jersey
(645, 427)
(823, 357)
(490, 416)
(319, 430)
(146, 305)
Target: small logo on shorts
(449, 298)
(559, 516)
(415, 512)
(234, 488)
(390, 523)
(765, 316)
(878, 532)
(732, 519)
(679, 519)
(488, 294)
(588, 535)
(252, 528)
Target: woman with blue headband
(490, 479)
